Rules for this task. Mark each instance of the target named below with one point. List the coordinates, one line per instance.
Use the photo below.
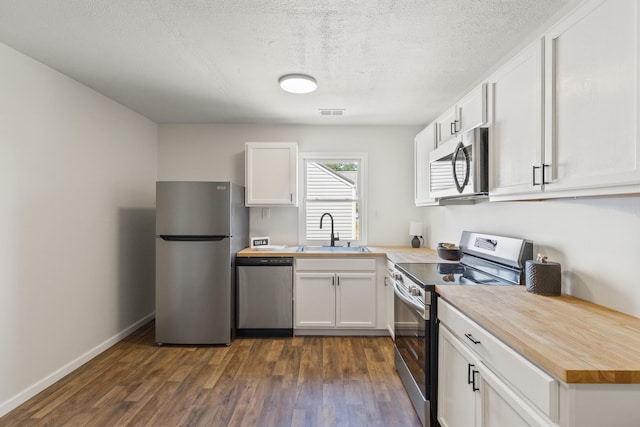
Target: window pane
(332, 180)
(345, 220)
(332, 187)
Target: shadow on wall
(136, 261)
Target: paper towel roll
(543, 278)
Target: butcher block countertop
(572, 339)
(395, 254)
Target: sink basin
(333, 249)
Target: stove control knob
(398, 277)
(414, 290)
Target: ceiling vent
(332, 111)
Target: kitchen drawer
(530, 381)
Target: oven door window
(411, 340)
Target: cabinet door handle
(534, 167)
(291, 197)
(543, 168)
(338, 280)
(472, 339)
(474, 387)
(544, 180)
(470, 371)
(333, 281)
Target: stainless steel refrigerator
(199, 228)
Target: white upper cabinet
(446, 126)
(565, 111)
(468, 113)
(592, 142)
(271, 174)
(424, 144)
(472, 109)
(516, 116)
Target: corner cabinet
(335, 293)
(271, 174)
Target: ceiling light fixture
(298, 83)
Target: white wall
(597, 240)
(216, 152)
(77, 174)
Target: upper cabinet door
(446, 126)
(472, 110)
(271, 173)
(592, 144)
(515, 96)
(468, 113)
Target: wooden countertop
(574, 340)
(395, 253)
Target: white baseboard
(29, 392)
(342, 332)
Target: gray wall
(216, 152)
(77, 184)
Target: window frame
(362, 194)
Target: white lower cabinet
(458, 392)
(484, 383)
(335, 293)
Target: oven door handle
(408, 300)
(460, 148)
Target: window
(333, 184)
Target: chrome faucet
(333, 236)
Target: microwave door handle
(467, 169)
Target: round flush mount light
(298, 83)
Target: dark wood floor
(300, 381)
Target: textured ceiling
(218, 61)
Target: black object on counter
(543, 278)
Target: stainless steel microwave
(459, 168)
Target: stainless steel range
(486, 260)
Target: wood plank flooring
(299, 381)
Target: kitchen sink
(333, 249)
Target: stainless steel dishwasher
(265, 296)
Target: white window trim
(362, 191)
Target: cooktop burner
(428, 274)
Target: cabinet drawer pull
(472, 339)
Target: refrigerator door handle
(192, 238)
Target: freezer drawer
(194, 294)
(265, 300)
